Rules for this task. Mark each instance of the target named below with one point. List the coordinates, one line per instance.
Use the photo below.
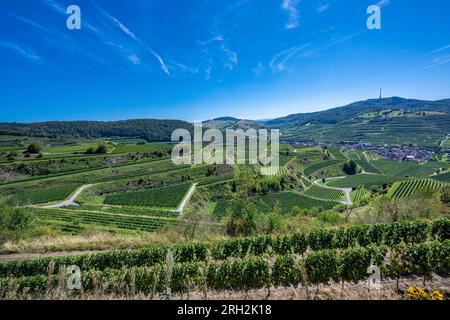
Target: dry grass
(96, 241)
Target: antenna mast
(380, 93)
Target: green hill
(391, 120)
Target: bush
(13, 222)
(33, 148)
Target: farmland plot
(166, 197)
(409, 187)
(325, 194)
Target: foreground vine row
(299, 243)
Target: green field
(148, 147)
(69, 148)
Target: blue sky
(200, 59)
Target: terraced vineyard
(367, 167)
(443, 177)
(337, 154)
(359, 194)
(288, 200)
(318, 166)
(107, 220)
(166, 197)
(366, 180)
(128, 210)
(326, 194)
(272, 171)
(409, 187)
(27, 197)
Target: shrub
(33, 148)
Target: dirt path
(186, 199)
(70, 201)
(347, 191)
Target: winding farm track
(70, 201)
(186, 199)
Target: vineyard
(27, 197)
(107, 220)
(409, 187)
(272, 171)
(166, 197)
(128, 210)
(360, 194)
(442, 177)
(318, 166)
(337, 154)
(327, 194)
(367, 167)
(413, 248)
(366, 180)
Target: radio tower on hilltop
(380, 93)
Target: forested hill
(149, 129)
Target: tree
(445, 196)
(33, 148)
(102, 148)
(13, 221)
(242, 220)
(350, 168)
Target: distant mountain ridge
(355, 109)
(391, 120)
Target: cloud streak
(383, 3)
(322, 8)
(290, 6)
(26, 53)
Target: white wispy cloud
(164, 66)
(383, 3)
(219, 56)
(134, 59)
(280, 62)
(438, 61)
(54, 5)
(259, 70)
(26, 53)
(284, 61)
(33, 24)
(290, 6)
(322, 8)
(446, 47)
